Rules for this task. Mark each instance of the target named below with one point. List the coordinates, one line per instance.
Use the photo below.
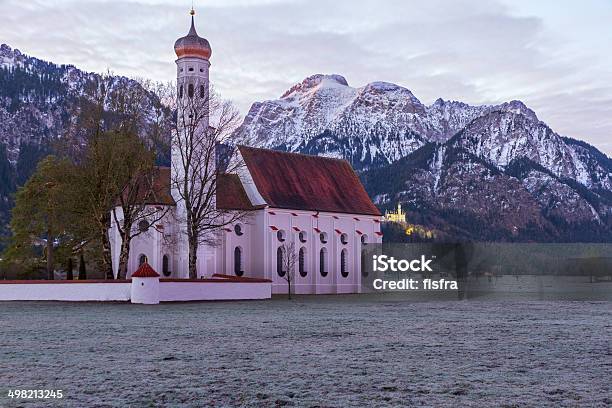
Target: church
(316, 204)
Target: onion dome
(192, 45)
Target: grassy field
(311, 351)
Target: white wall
(265, 243)
(206, 290)
(168, 291)
(154, 244)
(101, 292)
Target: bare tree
(139, 208)
(108, 141)
(289, 260)
(201, 151)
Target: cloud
(477, 52)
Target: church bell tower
(192, 69)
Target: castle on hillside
(398, 216)
(317, 204)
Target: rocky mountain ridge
(491, 172)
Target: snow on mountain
(376, 124)
(478, 172)
(39, 100)
(502, 137)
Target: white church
(316, 203)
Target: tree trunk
(124, 257)
(82, 269)
(193, 257)
(69, 275)
(289, 288)
(49, 256)
(107, 260)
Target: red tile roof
(231, 194)
(153, 189)
(302, 182)
(145, 271)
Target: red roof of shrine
(145, 271)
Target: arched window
(364, 242)
(344, 263)
(166, 266)
(302, 262)
(281, 235)
(238, 261)
(190, 90)
(323, 262)
(202, 92)
(181, 92)
(238, 229)
(143, 226)
(323, 237)
(280, 259)
(303, 237)
(142, 259)
(344, 239)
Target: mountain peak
(518, 107)
(317, 80)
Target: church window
(364, 242)
(302, 236)
(302, 262)
(166, 266)
(202, 92)
(280, 260)
(181, 91)
(190, 90)
(323, 262)
(280, 235)
(238, 261)
(143, 226)
(238, 229)
(343, 263)
(190, 69)
(323, 237)
(344, 239)
(142, 259)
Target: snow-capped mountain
(38, 102)
(478, 172)
(39, 99)
(371, 126)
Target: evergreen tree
(41, 216)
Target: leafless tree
(289, 260)
(201, 149)
(138, 211)
(109, 141)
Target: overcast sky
(556, 56)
